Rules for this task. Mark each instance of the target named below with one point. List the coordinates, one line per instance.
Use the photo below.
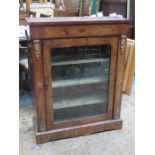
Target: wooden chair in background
(129, 66)
(23, 68)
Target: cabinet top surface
(75, 20)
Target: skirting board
(74, 131)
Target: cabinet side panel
(119, 77)
(38, 85)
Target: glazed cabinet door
(79, 77)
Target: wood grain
(74, 32)
(42, 137)
(38, 82)
(80, 31)
(129, 66)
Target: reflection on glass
(80, 81)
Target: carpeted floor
(120, 142)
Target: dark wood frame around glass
(50, 44)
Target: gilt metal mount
(37, 47)
(123, 43)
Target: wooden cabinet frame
(69, 32)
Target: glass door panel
(80, 78)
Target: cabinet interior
(80, 77)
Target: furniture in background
(44, 15)
(132, 19)
(121, 7)
(42, 8)
(64, 13)
(23, 48)
(110, 6)
(23, 15)
(24, 69)
(117, 6)
(129, 66)
(95, 5)
(43, 1)
(78, 90)
(71, 8)
(39, 7)
(23, 65)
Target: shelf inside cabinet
(80, 103)
(82, 61)
(83, 101)
(80, 81)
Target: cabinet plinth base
(74, 131)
